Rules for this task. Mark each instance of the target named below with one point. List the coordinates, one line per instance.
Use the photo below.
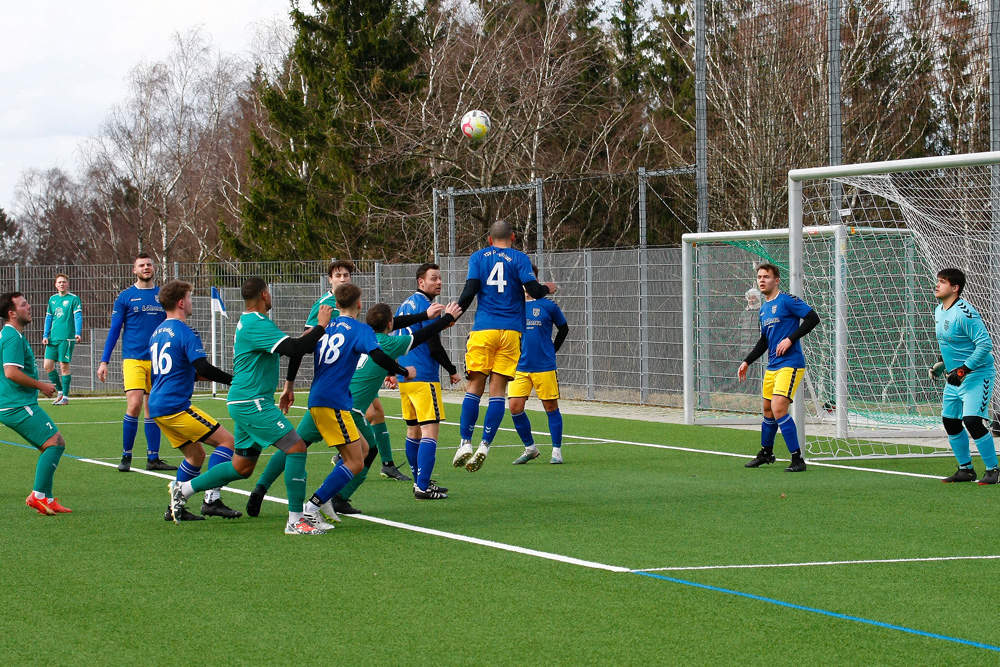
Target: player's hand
(783, 346)
(287, 398)
(742, 372)
(435, 310)
(956, 376)
(79, 338)
(454, 310)
(936, 372)
(455, 378)
(102, 371)
(411, 372)
(47, 388)
(45, 341)
(552, 287)
(391, 382)
(324, 315)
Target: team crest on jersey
(536, 311)
(946, 322)
(774, 309)
(65, 303)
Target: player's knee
(976, 426)
(952, 426)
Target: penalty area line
(752, 566)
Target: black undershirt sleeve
(439, 355)
(809, 323)
(379, 356)
(210, 372)
(424, 334)
(535, 289)
(758, 350)
(468, 293)
(403, 321)
(296, 348)
(561, 336)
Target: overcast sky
(63, 66)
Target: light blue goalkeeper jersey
(963, 337)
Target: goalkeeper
(784, 319)
(966, 349)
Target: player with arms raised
(498, 277)
(967, 358)
(63, 324)
(784, 320)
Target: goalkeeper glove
(956, 376)
(936, 371)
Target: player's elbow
(10, 372)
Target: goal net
(865, 244)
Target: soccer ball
(475, 124)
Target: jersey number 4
(496, 277)
(162, 362)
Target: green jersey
(369, 376)
(15, 351)
(255, 363)
(63, 310)
(325, 300)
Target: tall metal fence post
(17, 277)
(994, 280)
(701, 115)
(93, 370)
(539, 226)
(451, 222)
(643, 293)
(589, 312)
(378, 281)
(434, 218)
(836, 154)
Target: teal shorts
(60, 350)
(260, 424)
(971, 398)
(309, 433)
(29, 422)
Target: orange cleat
(55, 506)
(39, 505)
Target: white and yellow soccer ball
(475, 124)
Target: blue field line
(824, 612)
(22, 446)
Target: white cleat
(177, 500)
(326, 509)
(316, 519)
(556, 455)
(463, 454)
(476, 462)
(530, 454)
(59, 397)
(302, 527)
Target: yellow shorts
(183, 428)
(137, 374)
(421, 402)
(493, 351)
(782, 382)
(336, 426)
(545, 384)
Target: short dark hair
(378, 317)
(172, 293)
(7, 304)
(767, 266)
(955, 277)
(347, 295)
(340, 264)
(425, 267)
(141, 255)
(253, 288)
(501, 229)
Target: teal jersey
(63, 310)
(963, 337)
(325, 300)
(369, 376)
(255, 363)
(15, 351)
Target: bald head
(501, 233)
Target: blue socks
(494, 415)
(412, 454)
(470, 415)
(186, 472)
(960, 446)
(332, 485)
(130, 427)
(555, 427)
(987, 450)
(788, 432)
(425, 462)
(523, 427)
(220, 455)
(152, 439)
(768, 429)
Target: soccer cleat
(126, 464)
(392, 472)
(302, 527)
(476, 462)
(57, 507)
(763, 456)
(62, 400)
(991, 476)
(556, 455)
(433, 486)
(961, 475)
(177, 500)
(337, 458)
(158, 464)
(58, 398)
(256, 500)
(39, 505)
(343, 506)
(329, 509)
(185, 515)
(429, 494)
(798, 464)
(463, 454)
(530, 454)
(316, 520)
(218, 508)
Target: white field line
(815, 563)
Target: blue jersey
(779, 318)
(137, 313)
(501, 273)
(420, 356)
(337, 356)
(173, 347)
(538, 352)
(963, 337)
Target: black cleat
(218, 508)
(961, 475)
(432, 486)
(991, 476)
(763, 456)
(185, 516)
(429, 494)
(343, 506)
(256, 500)
(798, 464)
(392, 472)
(158, 464)
(126, 464)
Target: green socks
(66, 379)
(216, 476)
(273, 471)
(46, 468)
(353, 485)
(54, 379)
(382, 442)
(295, 480)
